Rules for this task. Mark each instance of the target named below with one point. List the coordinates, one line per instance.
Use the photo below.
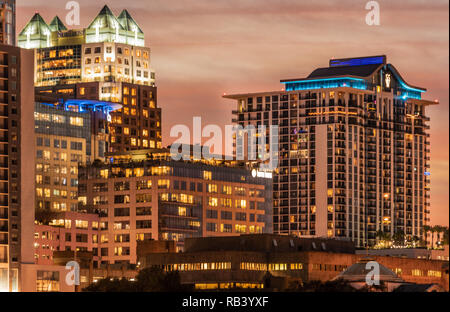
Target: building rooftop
(418, 288)
(57, 25)
(128, 23)
(358, 273)
(352, 71)
(84, 105)
(165, 154)
(267, 243)
(361, 73)
(105, 27)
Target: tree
(440, 230)
(415, 241)
(155, 279)
(426, 229)
(111, 285)
(338, 285)
(147, 280)
(432, 231)
(399, 238)
(445, 238)
(45, 216)
(384, 238)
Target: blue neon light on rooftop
(90, 105)
(405, 86)
(357, 83)
(358, 61)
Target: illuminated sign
(261, 174)
(387, 80)
(358, 61)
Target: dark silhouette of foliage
(319, 286)
(45, 216)
(147, 280)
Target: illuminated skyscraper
(107, 61)
(8, 22)
(67, 134)
(353, 151)
(16, 169)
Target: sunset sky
(202, 49)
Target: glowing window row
(228, 285)
(199, 266)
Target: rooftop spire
(128, 22)
(36, 26)
(105, 19)
(57, 25)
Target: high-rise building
(67, 134)
(8, 22)
(16, 170)
(353, 151)
(143, 195)
(107, 61)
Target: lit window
(213, 201)
(207, 175)
(182, 211)
(76, 121)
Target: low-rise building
(143, 195)
(68, 231)
(250, 261)
(417, 253)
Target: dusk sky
(204, 48)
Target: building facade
(16, 171)
(353, 151)
(275, 261)
(136, 125)
(68, 231)
(146, 195)
(67, 134)
(8, 22)
(106, 61)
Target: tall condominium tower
(353, 151)
(16, 170)
(8, 22)
(107, 61)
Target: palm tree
(415, 241)
(383, 237)
(426, 229)
(440, 230)
(433, 230)
(399, 238)
(445, 239)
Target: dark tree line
(147, 280)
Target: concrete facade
(210, 263)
